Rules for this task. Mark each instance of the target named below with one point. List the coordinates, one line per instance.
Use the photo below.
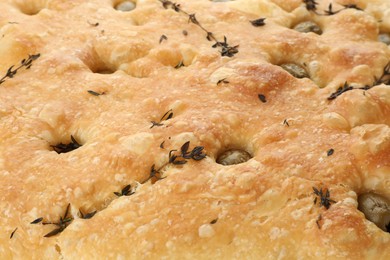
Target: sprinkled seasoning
(285, 122)
(262, 98)
(330, 152)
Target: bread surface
(259, 209)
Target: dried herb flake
(36, 221)
(162, 38)
(168, 115)
(222, 81)
(12, 234)
(258, 22)
(65, 148)
(95, 93)
(88, 215)
(212, 222)
(262, 98)
(126, 191)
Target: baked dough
(259, 209)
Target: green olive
(125, 6)
(376, 208)
(233, 156)
(385, 38)
(295, 70)
(308, 26)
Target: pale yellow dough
(260, 209)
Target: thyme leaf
(12, 234)
(324, 197)
(65, 148)
(126, 191)
(258, 22)
(88, 215)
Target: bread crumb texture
(113, 115)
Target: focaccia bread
(247, 129)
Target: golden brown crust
(262, 208)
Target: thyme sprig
(311, 6)
(340, 91)
(62, 223)
(324, 197)
(383, 79)
(24, 63)
(177, 159)
(155, 174)
(226, 49)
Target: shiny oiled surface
(104, 75)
